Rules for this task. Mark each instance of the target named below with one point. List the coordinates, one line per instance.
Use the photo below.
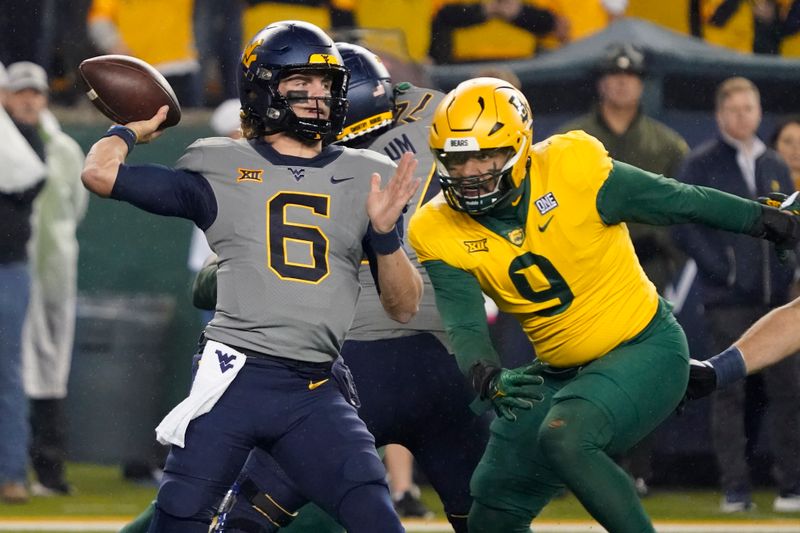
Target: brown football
(127, 89)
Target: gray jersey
(288, 234)
(415, 107)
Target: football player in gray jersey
(290, 220)
(411, 390)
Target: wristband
(384, 243)
(124, 133)
(481, 375)
(729, 366)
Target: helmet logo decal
(326, 59)
(481, 245)
(248, 56)
(521, 108)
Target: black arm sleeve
(167, 191)
(724, 12)
(791, 24)
(631, 194)
(536, 21)
(342, 18)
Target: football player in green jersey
(541, 230)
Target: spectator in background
(49, 328)
(325, 14)
(218, 33)
(26, 30)
(21, 159)
(501, 73)
(583, 18)
(746, 26)
(468, 30)
(790, 28)
(412, 18)
(631, 136)
(727, 23)
(773, 24)
(766, 26)
(741, 281)
(786, 141)
(161, 33)
(674, 15)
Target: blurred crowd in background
(196, 43)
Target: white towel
(22, 168)
(219, 365)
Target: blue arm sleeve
(167, 191)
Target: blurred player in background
(541, 230)
(270, 374)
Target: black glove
(778, 200)
(507, 388)
(702, 379)
(780, 223)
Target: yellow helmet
(482, 115)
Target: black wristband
(124, 133)
(480, 376)
(384, 243)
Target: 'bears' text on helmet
(371, 99)
(481, 117)
(284, 48)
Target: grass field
(103, 501)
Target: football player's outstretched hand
(790, 203)
(384, 206)
(515, 388)
(784, 231)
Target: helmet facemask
(477, 194)
(279, 115)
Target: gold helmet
(485, 115)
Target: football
(127, 89)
